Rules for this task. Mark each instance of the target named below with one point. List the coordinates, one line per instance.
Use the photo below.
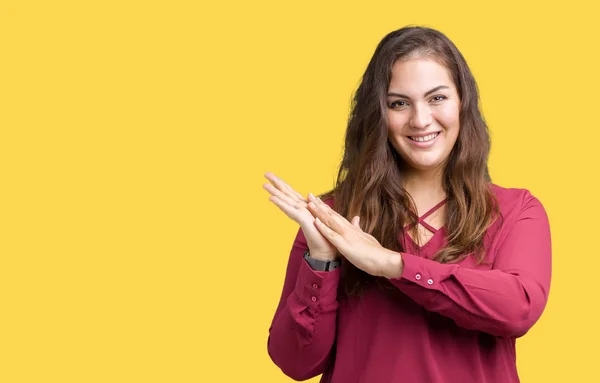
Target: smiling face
(423, 110)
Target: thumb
(355, 221)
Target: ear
(355, 221)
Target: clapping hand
(296, 207)
(333, 231)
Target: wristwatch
(318, 265)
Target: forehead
(418, 75)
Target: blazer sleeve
(302, 333)
(504, 301)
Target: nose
(421, 116)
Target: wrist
(392, 265)
(323, 256)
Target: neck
(425, 187)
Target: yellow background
(136, 241)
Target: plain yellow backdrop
(136, 241)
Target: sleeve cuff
(317, 288)
(424, 272)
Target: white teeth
(426, 138)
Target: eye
(398, 103)
(439, 98)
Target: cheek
(396, 121)
(448, 116)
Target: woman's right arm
(303, 330)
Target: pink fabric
(427, 214)
(447, 323)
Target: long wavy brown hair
(369, 181)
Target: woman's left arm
(504, 301)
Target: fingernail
(311, 196)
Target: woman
(416, 267)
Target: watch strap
(319, 265)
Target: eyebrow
(392, 94)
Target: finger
(322, 206)
(277, 182)
(333, 237)
(288, 188)
(284, 197)
(290, 211)
(328, 216)
(356, 221)
(291, 190)
(283, 186)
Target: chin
(422, 161)
(425, 166)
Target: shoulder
(510, 199)
(516, 204)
